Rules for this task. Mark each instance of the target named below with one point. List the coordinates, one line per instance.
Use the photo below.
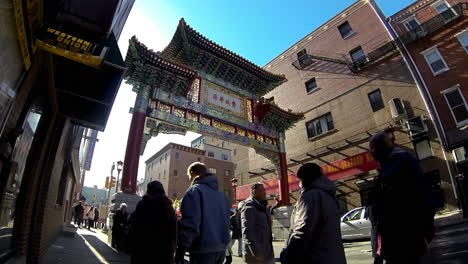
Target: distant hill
(101, 198)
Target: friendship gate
(197, 85)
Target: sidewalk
(85, 247)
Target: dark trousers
(403, 260)
(90, 223)
(208, 258)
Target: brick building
(239, 154)
(349, 89)
(169, 166)
(55, 83)
(434, 38)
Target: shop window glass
(18, 160)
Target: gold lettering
(66, 41)
(50, 30)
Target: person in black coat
(78, 210)
(236, 230)
(153, 228)
(406, 208)
(119, 227)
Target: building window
(463, 38)
(423, 149)
(303, 58)
(358, 54)
(198, 159)
(444, 9)
(411, 23)
(320, 125)
(211, 154)
(159, 176)
(160, 160)
(457, 105)
(345, 30)
(212, 170)
(435, 61)
(164, 175)
(222, 144)
(375, 99)
(165, 157)
(235, 152)
(175, 173)
(227, 173)
(224, 156)
(311, 85)
(177, 156)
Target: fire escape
(305, 61)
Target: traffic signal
(112, 182)
(107, 183)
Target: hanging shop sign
(71, 47)
(22, 36)
(336, 170)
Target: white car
(355, 224)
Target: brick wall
(454, 55)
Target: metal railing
(435, 23)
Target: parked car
(355, 224)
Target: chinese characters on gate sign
(224, 100)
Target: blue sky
(258, 30)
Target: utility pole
(106, 229)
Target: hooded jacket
(204, 227)
(315, 235)
(406, 206)
(256, 232)
(153, 231)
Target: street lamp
(119, 169)
(234, 184)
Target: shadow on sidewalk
(108, 253)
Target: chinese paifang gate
(197, 85)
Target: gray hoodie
(204, 226)
(315, 227)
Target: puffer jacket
(204, 227)
(315, 235)
(256, 232)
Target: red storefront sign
(336, 170)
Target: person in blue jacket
(204, 227)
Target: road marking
(95, 252)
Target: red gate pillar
(135, 137)
(283, 173)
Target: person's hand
(179, 256)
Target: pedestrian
(79, 210)
(153, 231)
(404, 236)
(372, 211)
(315, 235)
(85, 216)
(119, 227)
(236, 231)
(96, 217)
(204, 227)
(256, 227)
(91, 218)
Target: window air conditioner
(397, 108)
(460, 154)
(417, 126)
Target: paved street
(356, 252)
(449, 247)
